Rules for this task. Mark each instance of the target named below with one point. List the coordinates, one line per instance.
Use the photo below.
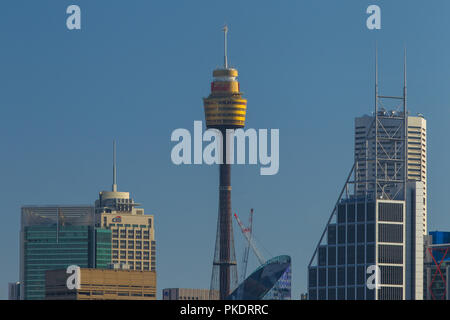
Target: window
(351, 255)
(351, 233)
(312, 277)
(341, 276)
(322, 256)
(361, 233)
(361, 255)
(322, 277)
(331, 234)
(341, 255)
(350, 276)
(332, 277)
(341, 234)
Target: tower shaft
(225, 225)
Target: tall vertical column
(225, 223)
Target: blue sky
(139, 69)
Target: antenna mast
(225, 32)
(114, 186)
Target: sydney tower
(225, 108)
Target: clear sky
(139, 69)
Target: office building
(379, 220)
(55, 237)
(189, 294)
(417, 152)
(102, 284)
(132, 231)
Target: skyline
(68, 95)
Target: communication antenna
(114, 186)
(225, 32)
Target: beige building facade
(132, 231)
(102, 284)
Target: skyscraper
(225, 108)
(379, 219)
(54, 237)
(417, 152)
(133, 233)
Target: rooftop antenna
(114, 186)
(404, 73)
(225, 32)
(376, 77)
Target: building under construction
(225, 108)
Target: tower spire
(114, 186)
(225, 32)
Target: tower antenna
(114, 186)
(225, 32)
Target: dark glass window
(341, 255)
(332, 277)
(370, 294)
(361, 233)
(341, 276)
(371, 211)
(351, 214)
(390, 233)
(350, 254)
(341, 213)
(312, 294)
(350, 276)
(322, 277)
(350, 293)
(360, 275)
(331, 255)
(361, 214)
(371, 232)
(332, 294)
(390, 254)
(391, 275)
(341, 293)
(322, 256)
(360, 254)
(360, 293)
(341, 234)
(370, 253)
(331, 234)
(351, 233)
(322, 294)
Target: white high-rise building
(417, 154)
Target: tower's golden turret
(225, 108)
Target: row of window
(341, 255)
(350, 276)
(132, 245)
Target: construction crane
(248, 231)
(248, 234)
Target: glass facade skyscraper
(55, 238)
